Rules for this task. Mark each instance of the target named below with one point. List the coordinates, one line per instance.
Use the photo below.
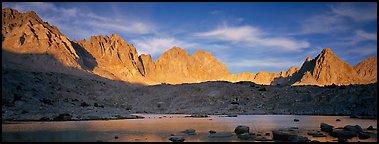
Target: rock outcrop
(367, 70)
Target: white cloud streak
(358, 13)
(263, 64)
(252, 37)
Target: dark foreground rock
(371, 128)
(220, 135)
(189, 131)
(245, 136)
(284, 135)
(325, 127)
(241, 129)
(315, 133)
(177, 139)
(363, 135)
(344, 134)
(354, 129)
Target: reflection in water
(157, 127)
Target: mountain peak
(326, 50)
(308, 59)
(115, 36)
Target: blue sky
(247, 37)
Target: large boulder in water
(177, 139)
(344, 134)
(326, 128)
(284, 135)
(355, 128)
(241, 129)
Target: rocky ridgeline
(113, 58)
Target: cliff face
(114, 57)
(26, 33)
(367, 70)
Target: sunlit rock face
(367, 70)
(326, 69)
(26, 33)
(115, 58)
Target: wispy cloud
(358, 13)
(252, 37)
(338, 18)
(263, 64)
(323, 24)
(364, 50)
(158, 45)
(84, 21)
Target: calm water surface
(158, 127)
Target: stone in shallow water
(189, 131)
(325, 127)
(284, 135)
(371, 128)
(343, 134)
(177, 139)
(212, 131)
(245, 136)
(241, 129)
(363, 135)
(355, 128)
(220, 135)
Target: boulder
(343, 134)
(326, 128)
(245, 136)
(189, 131)
(355, 128)
(363, 135)
(284, 135)
(315, 133)
(220, 135)
(177, 139)
(241, 129)
(371, 128)
(212, 131)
